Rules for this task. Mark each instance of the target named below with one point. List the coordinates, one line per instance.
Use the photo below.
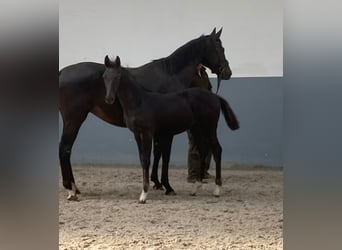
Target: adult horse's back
(82, 90)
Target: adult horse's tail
(229, 115)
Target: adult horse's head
(111, 78)
(214, 57)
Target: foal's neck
(129, 93)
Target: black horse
(153, 115)
(81, 90)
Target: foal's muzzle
(109, 99)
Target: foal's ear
(117, 62)
(213, 33)
(218, 34)
(107, 62)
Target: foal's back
(167, 113)
(176, 112)
(205, 107)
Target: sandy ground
(248, 215)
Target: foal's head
(214, 57)
(111, 77)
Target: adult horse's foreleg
(217, 152)
(144, 142)
(69, 134)
(156, 159)
(165, 146)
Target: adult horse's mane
(175, 62)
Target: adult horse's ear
(107, 61)
(213, 32)
(218, 34)
(117, 61)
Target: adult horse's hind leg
(156, 159)
(69, 134)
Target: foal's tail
(229, 115)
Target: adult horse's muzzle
(224, 74)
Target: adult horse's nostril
(225, 73)
(229, 74)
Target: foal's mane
(190, 51)
(132, 78)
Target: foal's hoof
(217, 191)
(78, 191)
(195, 187)
(158, 187)
(171, 192)
(143, 197)
(72, 198)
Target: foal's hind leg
(202, 144)
(69, 134)
(217, 152)
(156, 156)
(165, 146)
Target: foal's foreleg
(144, 142)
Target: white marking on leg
(72, 193)
(143, 197)
(217, 191)
(195, 187)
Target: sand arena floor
(248, 215)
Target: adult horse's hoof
(72, 197)
(142, 202)
(158, 187)
(171, 192)
(72, 194)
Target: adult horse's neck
(182, 62)
(130, 94)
